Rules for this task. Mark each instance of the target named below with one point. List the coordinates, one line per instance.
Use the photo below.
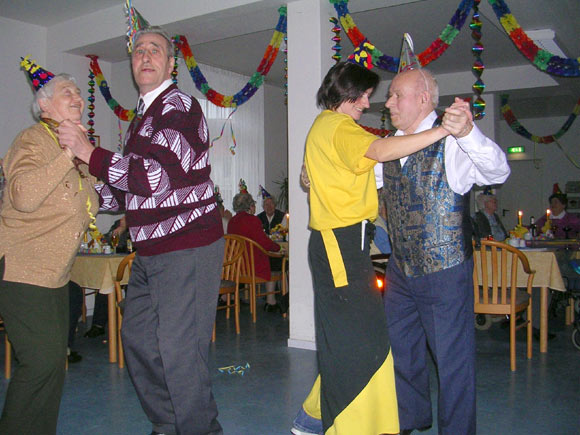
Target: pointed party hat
(487, 191)
(362, 55)
(264, 193)
(243, 187)
(408, 60)
(38, 75)
(135, 22)
(556, 189)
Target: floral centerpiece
(279, 233)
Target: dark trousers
(169, 315)
(434, 310)
(36, 320)
(75, 310)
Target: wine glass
(115, 241)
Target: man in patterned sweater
(163, 184)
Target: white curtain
(248, 126)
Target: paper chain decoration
(389, 63)
(200, 81)
(255, 81)
(234, 370)
(518, 128)
(91, 105)
(336, 39)
(543, 59)
(478, 67)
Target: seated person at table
(564, 225)
(486, 221)
(244, 223)
(271, 216)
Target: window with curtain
(248, 126)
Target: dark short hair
(345, 81)
(562, 197)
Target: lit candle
(288, 220)
(520, 214)
(548, 214)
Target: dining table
(98, 272)
(548, 276)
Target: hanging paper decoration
(120, 142)
(175, 71)
(255, 81)
(478, 67)
(389, 63)
(542, 59)
(382, 132)
(286, 69)
(518, 128)
(122, 113)
(336, 39)
(91, 105)
(228, 119)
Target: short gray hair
(243, 202)
(158, 31)
(482, 199)
(430, 85)
(47, 91)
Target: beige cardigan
(45, 211)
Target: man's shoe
(74, 357)
(95, 331)
(536, 334)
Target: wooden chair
(248, 272)
(495, 270)
(126, 263)
(230, 283)
(7, 352)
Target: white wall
(275, 138)
(17, 40)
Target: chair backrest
(247, 266)
(126, 262)
(495, 268)
(233, 256)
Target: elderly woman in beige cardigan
(49, 202)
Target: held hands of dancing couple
(457, 121)
(73, 137)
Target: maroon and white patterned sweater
(163, 179)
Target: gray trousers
(36, 320)
(167, 325)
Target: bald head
(412, 96)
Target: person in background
(49, 201)
(564, 225)
(163, 184)
(355, 392)
(271, 216)
(486, 221)
(244, 223)
(224, 213)
(429, 295)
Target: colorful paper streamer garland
(542, 59)
(518, 128)
(235, 370)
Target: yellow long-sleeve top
(343, 190)
(44, 213)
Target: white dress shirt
(473, 159)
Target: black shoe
(536, 334)
(74, 357)
(221, 303)
(272, 308)
(95, 331)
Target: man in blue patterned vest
(429, 293)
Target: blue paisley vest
(428, 222)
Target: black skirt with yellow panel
(357, 385)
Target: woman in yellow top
(357, 387)
(49, 202)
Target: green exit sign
(516, 150)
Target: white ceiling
(237, 41)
